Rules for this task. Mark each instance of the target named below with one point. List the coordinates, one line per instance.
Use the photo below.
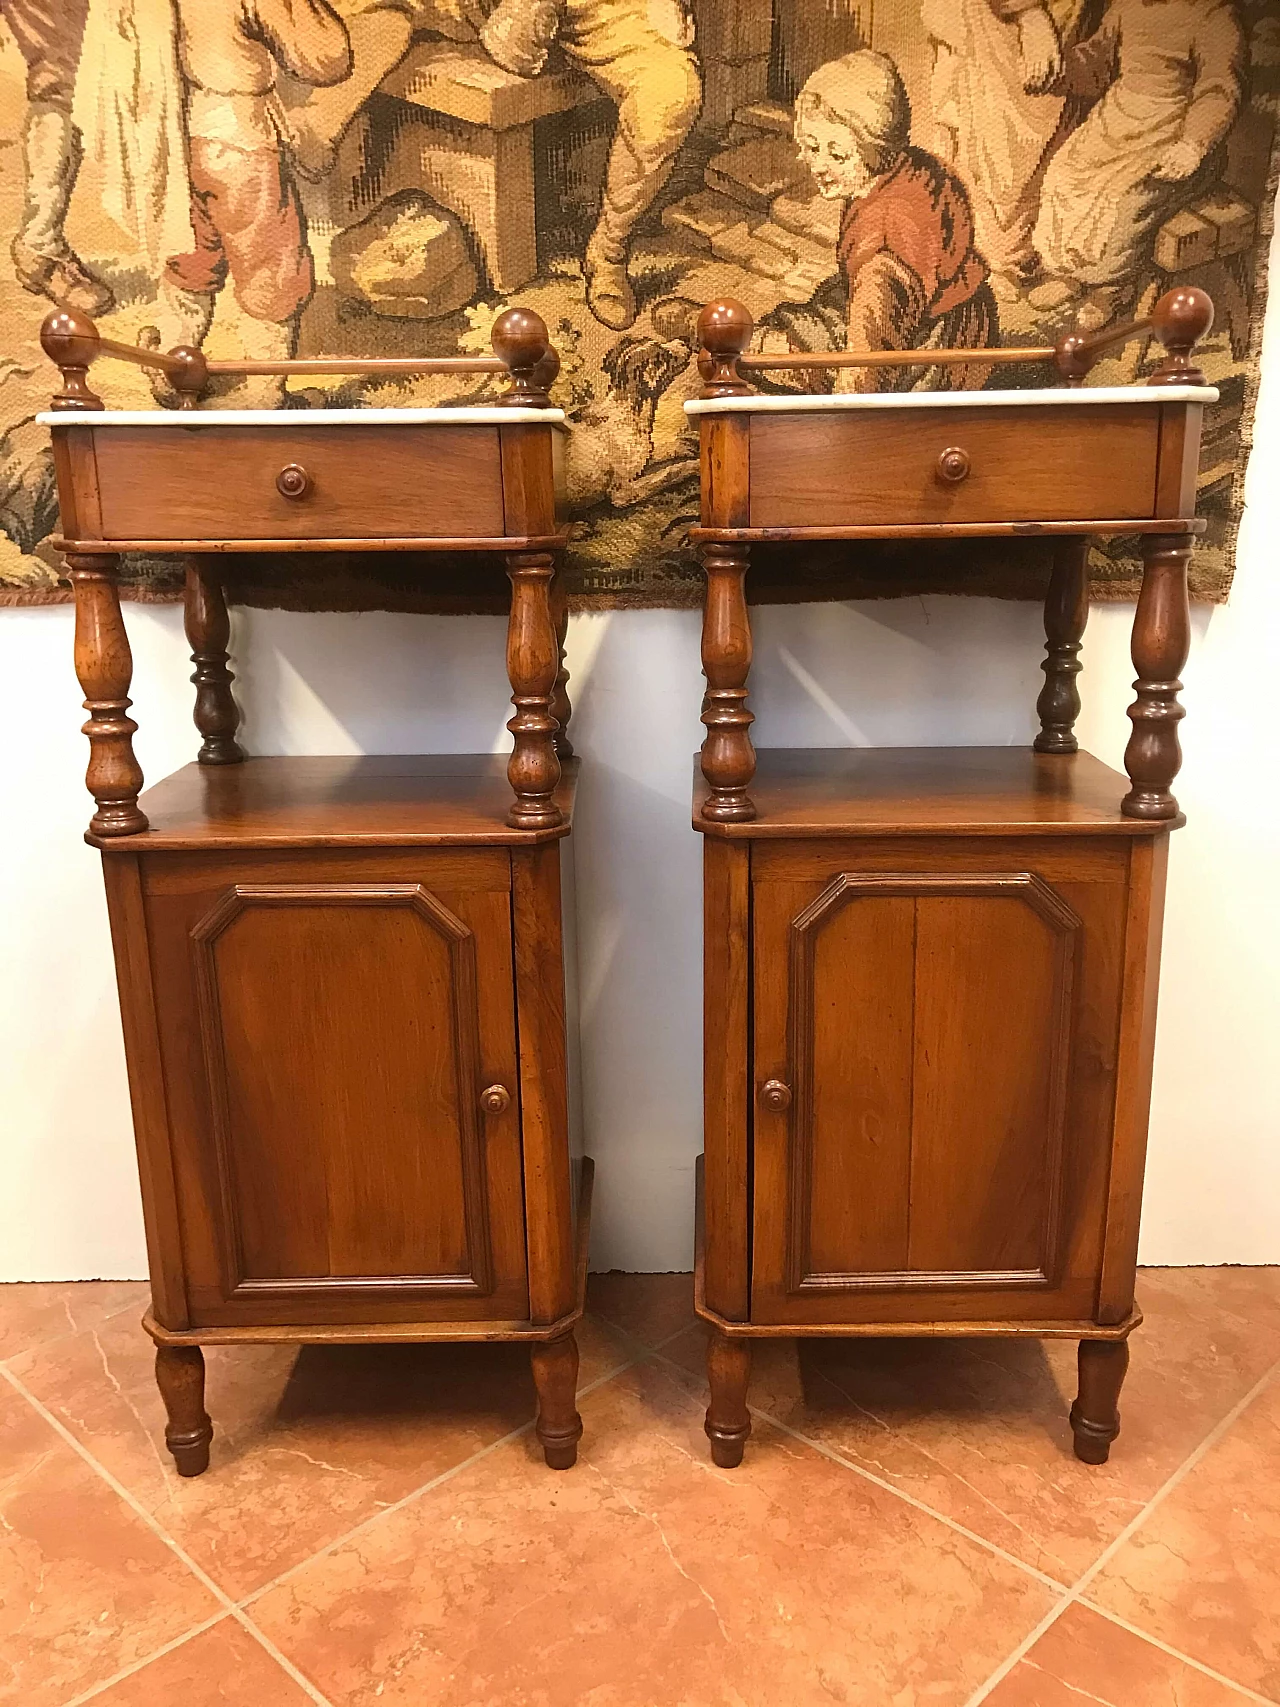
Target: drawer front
(934, 466)
(357, 482)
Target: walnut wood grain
(555, 1376)
(208, 629)
(823, 792)
(728, 1421)
(728, 761)
(1066, 611)
(1161, 643)
(1095, 1415)
(104, 668)
(180, 1378)
(533, 662)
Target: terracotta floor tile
(308, 1442)
(222, 1667)
(85, 1587)
(652, 1307)
(978, 1429)
(1084, 1658)
(1203, 1571)
(36, 1313)
(646, 1577)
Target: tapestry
(266, 178)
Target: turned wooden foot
(104, 666)
(1095, 1416)
(728, 1421)
(555, 1375)
(180, 1378)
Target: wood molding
(419, 901)
(1023, 886)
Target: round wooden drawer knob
(954, 465)
(495, 1099)
(293, 481)
(775, 1096)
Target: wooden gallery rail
(931, 973)
(341, 979)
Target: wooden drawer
(363, 482)
(876, 467)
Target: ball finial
(521, 342)
(1180, 319)
(724, 332)
(71, 341)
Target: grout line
(1177, 1654)
(838, 1457)
(141, 1665)
(71, 1333)
(427, 1487)
(1075, 1594)
(135, 1505)
(910, 1499)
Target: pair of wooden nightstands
(930, 974)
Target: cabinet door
(931, 1126)
(329, 1026)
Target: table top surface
(359, 800)
(803, 403)
(886, 791)
(462, 416)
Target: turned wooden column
(561, 709)
(728, 758)
(104, 668)
(555, 1375)
(1066, 610)
(533, 658)
(728, 1421)
(180, 1378)
(208, 627)
(1161, 641)
(1095, 1416)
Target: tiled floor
(908, 1529)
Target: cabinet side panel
(726, 1075)
(1142, 933)
(130, 943)
(544, 1115)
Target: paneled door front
(923, 1140)
(348, 1144)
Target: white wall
(893, 672)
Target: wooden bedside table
(342, 980)
(931, 974)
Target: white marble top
(801, 403)
(487, 415)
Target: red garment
(920, 214)
(247, 221)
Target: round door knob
(954, 465)
(495, 1099)
(293, 481)
(775, 1096)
